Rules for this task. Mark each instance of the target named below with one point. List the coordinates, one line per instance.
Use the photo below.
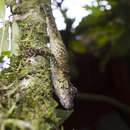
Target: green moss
(26, 92)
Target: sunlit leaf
(2, 9)
(15, 37)
(6, 53)
(4, 42)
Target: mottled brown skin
(60, 70)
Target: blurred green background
(99, 49)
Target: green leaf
(15, 37)
(78, 46)
(63, 115)
(101, 41)
(96, 11)
(4, 42)
(2, 9)
(6, 53)
(113, 3)
(1, 58)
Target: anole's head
(66, 95)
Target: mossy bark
(26, 91)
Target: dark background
(100, 65)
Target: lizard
(60, 70)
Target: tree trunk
(26, 92)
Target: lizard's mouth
(67, 102)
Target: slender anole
(64, 89)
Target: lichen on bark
(26, 91)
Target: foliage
(2, 9)
(105, 32)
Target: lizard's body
(60, 71)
